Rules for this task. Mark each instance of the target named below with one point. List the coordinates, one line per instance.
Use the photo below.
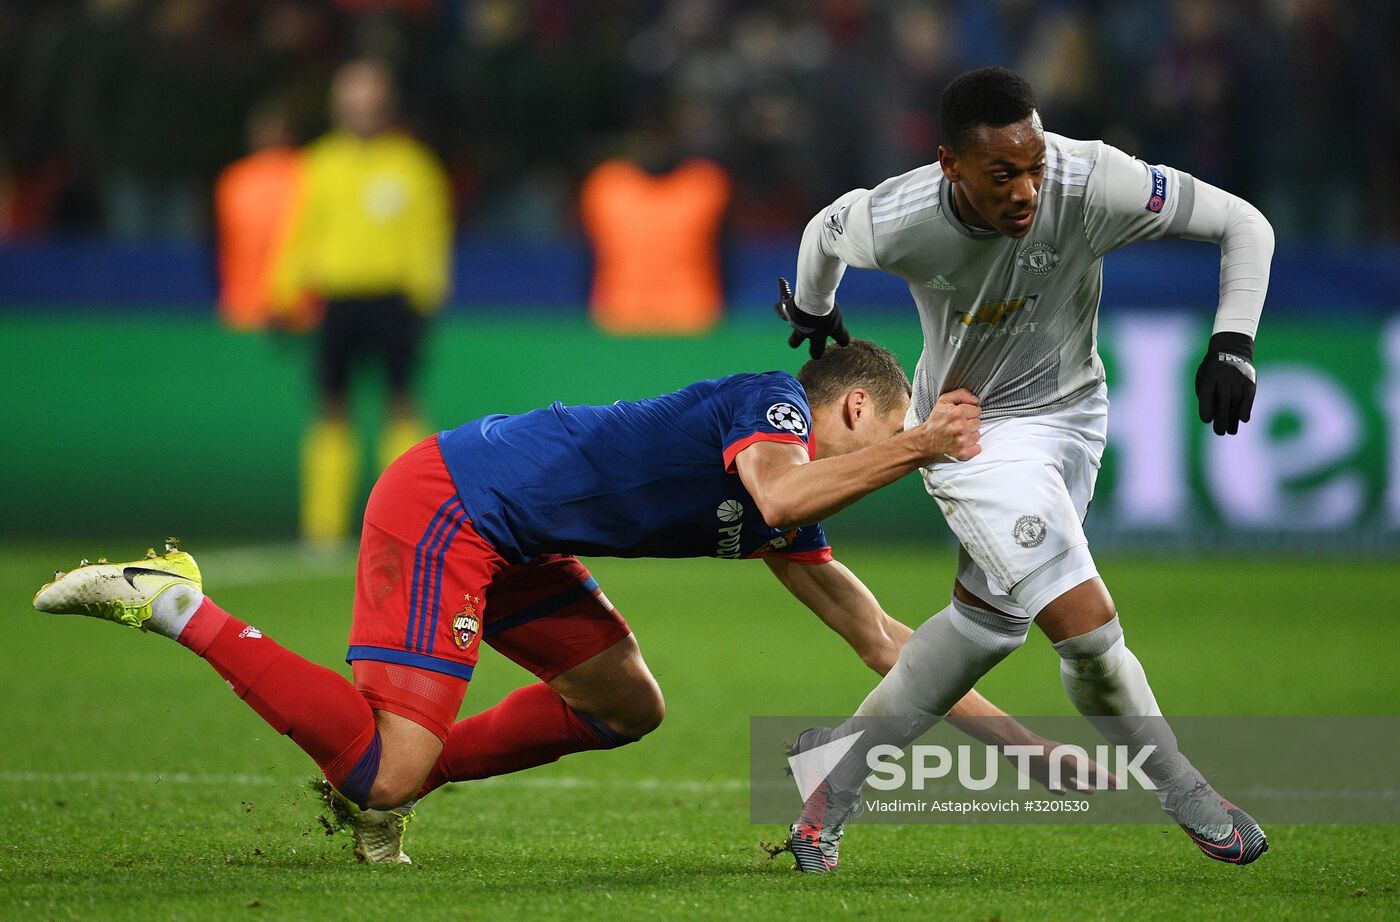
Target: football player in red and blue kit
(470, 537)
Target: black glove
(1225, 382)
(810, 326)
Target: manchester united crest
(466, 623)
(1038, 258)
(1029, 531)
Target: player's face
(996, 178)
(855, 422)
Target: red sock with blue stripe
(318, 709)
(531, 726)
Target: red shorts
(429, 589)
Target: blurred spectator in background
(116, 114)
(654, 222)
(253, 203)
(924, 43)
(167, 111)
(59, 77)
(1193, 103)
(1324, 181)
(371, 235)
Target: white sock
(944, 658)
(1108, 685)
(173, 609)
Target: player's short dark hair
(861, 364)
(992, 96)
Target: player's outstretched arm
(1127, 201)
(835, 595)
(792, 491)
(840, 235)
(1225, 380)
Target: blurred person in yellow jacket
(371, 236)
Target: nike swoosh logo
(1232, 850)
(130, 573)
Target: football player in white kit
(1002, 243)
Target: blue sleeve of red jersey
(769, 407)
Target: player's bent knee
(409, 751)
(642, 710)
(944, 658)
(616, 689)
(399, 780)
(393, 792)
(1094, 654)
(650, 711)
(996, 633)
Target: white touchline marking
(632, 784)
(194, 778)
(559, 783)
(260, 564)
(217, 779)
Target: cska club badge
(466, 624)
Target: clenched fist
(952, 429)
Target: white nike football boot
(119, 592)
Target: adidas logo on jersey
(939, 283)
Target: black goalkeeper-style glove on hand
(1225, 382)
(814, 327)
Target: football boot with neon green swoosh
(120, 592)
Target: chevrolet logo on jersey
(994, 312)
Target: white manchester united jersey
(1012, 320)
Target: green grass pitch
(137, 787)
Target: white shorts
(1018, 507)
